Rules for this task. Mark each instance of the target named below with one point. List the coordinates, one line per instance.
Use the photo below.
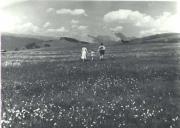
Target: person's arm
(98, 49)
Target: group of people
(101, 50)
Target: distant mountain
(105, 39)
(15, 42)
(123, 38)
(10, 42)
(40, 37)
(158, 38)
(68, 39)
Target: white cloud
(74, 21)
(166, 22)
(147, 32)
(27, 28)
(162, 24)
(50, 10)
(128, 16)
(72, 12)
(116, 29)
(16, 24)
(62, 29)
(5, 3)
(47, 24)
(74, 26)
(79, 32)
(9, 22)
(81, 27)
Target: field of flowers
(54, 89)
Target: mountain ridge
(19, 42)
(163, 38)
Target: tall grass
(116, 92)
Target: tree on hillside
(124, 41)
(16, 49)
(32, 45)
(122, 37)
(47, 45)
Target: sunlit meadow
(135, 86)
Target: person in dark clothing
(101, 50)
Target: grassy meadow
(135, 86)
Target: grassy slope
(11, 42)
(134, 87)
(164, 38)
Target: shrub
(32, 45)
(47, 45)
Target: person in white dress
(84, 53)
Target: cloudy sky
(79, 19)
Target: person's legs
(101, 54)
(85, 58)
(101, 57)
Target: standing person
(101, 50)
(92, 55)
(84, 53)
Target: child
(92, 55)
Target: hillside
(11, 42)
(105, 39)
(68, 40)
(161, 38)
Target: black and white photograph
(90, 64)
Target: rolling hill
(10, 42)
(68, 40)
(159, 38)
(105, 39)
